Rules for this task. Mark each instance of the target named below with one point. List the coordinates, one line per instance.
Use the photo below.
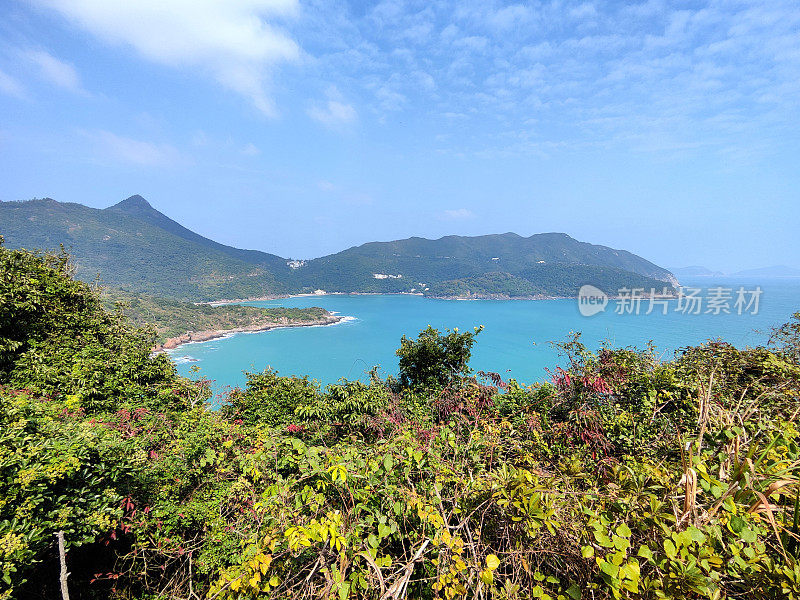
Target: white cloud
(334, 113)
(251, 150)
(458, 214)
(591, 74)
(390, 99)
(510, 16)
(10, 86)
(57, 72)
(424, 80)
(450, 32)
(578, 74)
(418, 33)
(131, 151)
(583, 11)
(326, 186)
(230, 39)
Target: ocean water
(515, 342)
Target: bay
(515, 342)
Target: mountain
(776, 271)
(139, 208)
(696, 271)
(134, 247)
(535, 264)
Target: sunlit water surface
(516, 340)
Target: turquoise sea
(515, 341)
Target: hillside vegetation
(172, 318)
(545, 281)
(625, 476)
(133, 247)
(542, 260)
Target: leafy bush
(786, 338)
(58, 472)
(270, 399)
(56, 339)
(434, 360)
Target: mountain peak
(135, 202)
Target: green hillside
(550, 264)
(460, 256)
(545, 280)
(134, 247)
(139, 208)
(172, 318)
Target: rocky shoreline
(205, 336)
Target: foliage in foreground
(55, 337)
(623, 477)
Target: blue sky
(670, 129)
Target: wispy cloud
(232, 41)
(589, 73)
(583, 11)
(251, 149)
(514, 15)
(106, 144)
(335, 113)
(10, 86)
(53, 70)
(498, 77)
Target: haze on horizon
(300, 128)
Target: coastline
(307, 295)
(421, 295)
(432, 297)
(213, 334)
(498, 297)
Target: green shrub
(58, 472)
(56, 339)
(435, 359)
(270, 399)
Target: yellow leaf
(525, 565)
(492, 562)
